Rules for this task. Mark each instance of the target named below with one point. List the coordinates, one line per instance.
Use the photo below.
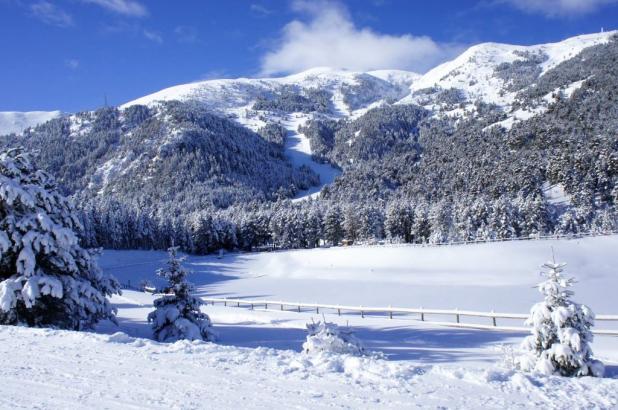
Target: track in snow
(298, 150)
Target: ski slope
(298, 150)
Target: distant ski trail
(298, 150)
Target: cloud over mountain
(330, 38)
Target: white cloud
(72, 63)
(260, 9)
(51, 14)
(560, 8)
(186, 34)
(331, 39)
(153, 36)
(130, 8)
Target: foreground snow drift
(63, 369)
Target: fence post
(317, 309)
(493, 318)
(422, 315)
(456, 315)
(282, 306)
(252, 306)
(266, 306)
(339, 312)
(298, 308)
(225, 303)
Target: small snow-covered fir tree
(177, 314)
(561, 336)
(46, 277)
(326, 337)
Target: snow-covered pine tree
(561, 334)
(398, 222)
(333, 226)
(46, 277)
(177, 314)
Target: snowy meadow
(258, 358)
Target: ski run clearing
(257, 361)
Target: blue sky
(70, 54)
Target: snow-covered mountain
(17, 122)
(489, 72)
(349, 93)
(474, 71)
(495, 129)
(494, 74)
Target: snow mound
(325, 337)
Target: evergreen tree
(502, 220)
(46, 277)
(333, 229)
(441, 222)
(561, 336)
(177, 314)
(351, 223)
(371, 221)
(421, 227)
(398, 223)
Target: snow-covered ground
(258, 363)
(59, 369)
(497, 276)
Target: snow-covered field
(257, 361)
(497, 276)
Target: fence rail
(420, 313)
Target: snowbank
(63, 369)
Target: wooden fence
(419, 314)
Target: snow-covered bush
(561, 336)
(325, 337)
(177, 314)
(46, 277)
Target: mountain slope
(171, 153)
